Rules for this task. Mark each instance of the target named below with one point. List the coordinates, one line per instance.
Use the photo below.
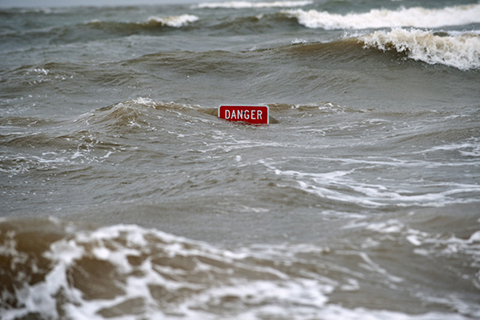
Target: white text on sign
(244, 114)
(249, 114)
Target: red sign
(250, 114)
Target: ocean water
(124, 197)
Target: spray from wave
(461, 51)
(417, 17)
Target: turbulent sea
(123, 196)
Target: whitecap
(247, 4)
(460, 51)
(417, 17)
(175, 21)
(146, 268)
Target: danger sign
(250, 114)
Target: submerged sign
(250, 114)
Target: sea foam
(382, 18)
(128, 272)
(246, 4)
(461, 51)
(174, 21)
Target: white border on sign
(246, 106)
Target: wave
(79, 271)
(174, 21)
(128, 115)
(152, 22)
(461, 51)
(417, 17)
(73, 272)
(246, 4)
(95, 30)
(452, 49)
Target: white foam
(459, 51)
(375, 267)
(475, 237)
(299, 41)
(382, 18)
(470, 148)
(65, 251)
(345, 186)
(175, 21)
(301, 291)
(424, 243)
(231, 281)
(247, 4)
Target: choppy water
(123, 197)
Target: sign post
(249, 114)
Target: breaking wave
(461, 51)
(59, 270)
(152, 23)
(246, 4)
(417, 17)
(174, 21)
